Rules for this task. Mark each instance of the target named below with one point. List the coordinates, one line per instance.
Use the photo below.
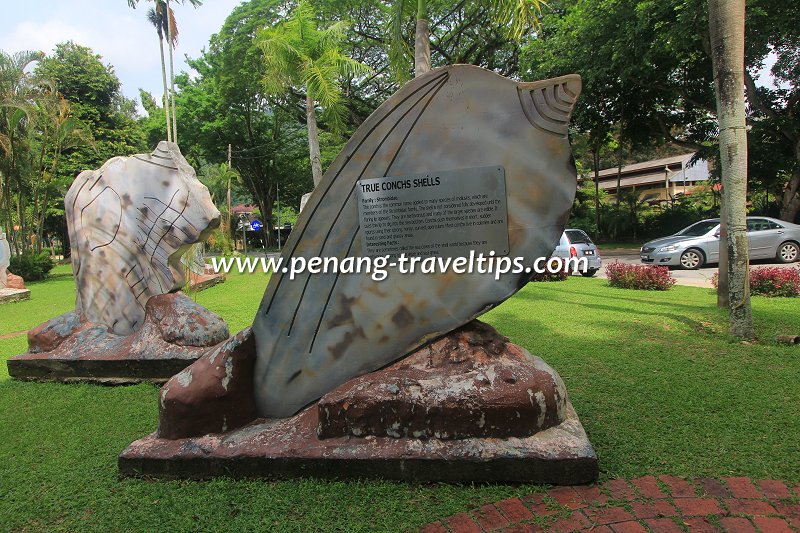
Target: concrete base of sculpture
(9, 295)
(209, 278)
(68, 348)
(290, 447)
(470, 406)
(14, 281)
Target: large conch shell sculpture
(129, 223)
(317, 331)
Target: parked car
(576, 243)
(698, 244)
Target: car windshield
(701, 228)
(576, 236)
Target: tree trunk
(422, 48)
(171, 72)
(726, 24)
(596, 162)
(166, 93)
(313, 141)
(616, 214)
(722, 268)
(422, 40)
(790, 203)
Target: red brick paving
(661, 505)
(648, 487)
(742, 487)
(698, 506)
(629, 527)
(489, 518)
(737, 525)
(700, 525)
(663, 525)
(514, 510)
(773, 489)
(772, 524)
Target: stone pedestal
(176, 331)
(470, 406)
(209, 278)
(9, 295)
(15, 282)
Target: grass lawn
(658, 384)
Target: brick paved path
(663, 504)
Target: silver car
(698, 244)
(575, 243)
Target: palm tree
(515, 16)
(158, 19)
(172, 39)
(17, 107)
(297, 53)
(726, 25)
(59, 131)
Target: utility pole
(228, 228)
(278, 200)
(244, 221)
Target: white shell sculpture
(5, 259)
(317, 331)
(129, 222)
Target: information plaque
(444, 214)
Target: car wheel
(589, 273)
(692, 259)
(788, 252)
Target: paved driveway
(694, 278)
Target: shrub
(548, 276)
(771, 281)
(220, 241)
(31, 266)
(641, 277)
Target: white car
(576, 243)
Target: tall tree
(516, 17)
(157, 17)
(56, 131)
(225, 103)
(300, 54)
(17, 108)
(656, 59)
(94, 93)
(726, 23)
(172, 41)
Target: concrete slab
(8, 295)
(69, 348)
(289, 448)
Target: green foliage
(32, 266)
(220, 241)
(484, 33)
(646, 67)
(287, 214)
(38, 131)
(300, 54)
(226, 103)
(93, 91)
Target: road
(693, 278)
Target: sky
(121, 35)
